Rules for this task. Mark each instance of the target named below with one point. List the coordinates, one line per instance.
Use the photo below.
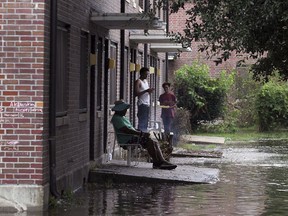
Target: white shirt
(144, 98)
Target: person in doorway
(122, 126)
(168, 104)
(142, 91)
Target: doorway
(96, 116)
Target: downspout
(52, 99)
(122, 54)
(167, 30)
(146, 8)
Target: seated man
(122, 125)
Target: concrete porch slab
(117, 171)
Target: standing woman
(168, 104)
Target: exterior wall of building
(24, 78)
(133, 7)
(24, 102)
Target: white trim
(170, 47)
(126, 21)
(151, 38)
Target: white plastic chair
(132, 148)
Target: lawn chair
(133, 149)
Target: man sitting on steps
(123, 125)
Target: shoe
(164, 165)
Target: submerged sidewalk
(117, 171)
(202, 139)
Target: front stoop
(118, 172)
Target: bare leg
(158, 160)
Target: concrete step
(117, 171)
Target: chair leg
(114, 147)
(129, 149)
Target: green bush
(242, 98)
(202, 95)
(272, 104)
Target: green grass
(190, 146)
(244, 134)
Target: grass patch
(193, 147)
(245, 134)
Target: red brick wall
(23, 133)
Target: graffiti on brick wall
(27, 107)
(8, 121)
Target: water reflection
(133, 199)
(253, 181)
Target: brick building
(63, 63)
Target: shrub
(201, 94)
(272, 104)
(242, 98)
(181, 124)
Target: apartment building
(63, 63)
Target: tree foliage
(256, 27)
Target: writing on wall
(13, 114)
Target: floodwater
(253, 181)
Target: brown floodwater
(253, 180)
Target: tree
(256, 27)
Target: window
(83, 71)
(113, 73)
(62, 69)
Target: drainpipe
(167, 30)
(146, 8)
(52, 99)
(122, 54)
